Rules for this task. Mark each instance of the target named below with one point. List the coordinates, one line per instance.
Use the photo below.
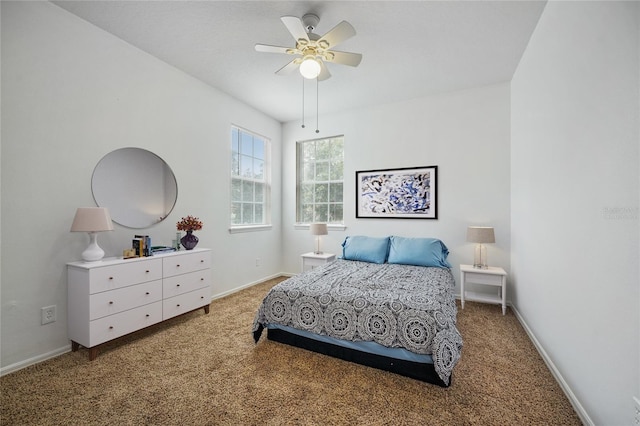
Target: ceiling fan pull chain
(303, 102)
(317, 96)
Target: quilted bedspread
(411, 307)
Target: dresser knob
(110, 278)
(178, 305)
(201, 279)
(147, 293)
(110, 327)
(178, 265)
(111, 303)
(147, 271)
(147, 315)
(201, 260)
(201, 297)
(177, 285)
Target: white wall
(575, 190)
(71, 93)
(465, 134)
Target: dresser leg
(206, 309)
(74, 346)
(93, 353)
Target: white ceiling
(410, 49)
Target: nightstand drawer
(309, 261)
(479, 278)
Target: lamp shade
(480, 234)
(92, 219)
(318, 229)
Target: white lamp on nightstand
(92, 220)
(480, 235)
(318, 229)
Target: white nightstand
(492, 276)
(313, 260)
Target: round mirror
(137, 187)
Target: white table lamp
(480, 235)
(92, 220)
(318, 229)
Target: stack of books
(142, 245)
(161, 249)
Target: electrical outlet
(636, 416)
(48, 314)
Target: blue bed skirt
(395, 360)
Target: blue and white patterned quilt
(411, 307)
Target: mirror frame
(137, 186)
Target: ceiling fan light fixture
(310, 67)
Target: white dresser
(115, 296)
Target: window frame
(236, 174)
(301, 223)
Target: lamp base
(93, 253)
(480, 257)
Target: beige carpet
(206, 370)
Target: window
(250, 173)
(320, 180)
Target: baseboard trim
(251, 284)
(584, 417)
(34, 360)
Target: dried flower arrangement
(189, 223)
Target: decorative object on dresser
(92, 220)
(407, 193)
(318, 229)
(116, 297)
(490, 276)
(480, 235)
(189, 224)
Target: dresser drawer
(186, 302)
(113, 326)
(182, 264)
(185, 283)
(123, 299)
(124, 274)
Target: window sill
(330, 226)
(249, 228)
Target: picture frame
(404, 193)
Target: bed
(386, 302)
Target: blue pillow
(366, 249)
(418, 252)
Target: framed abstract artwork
(407, 193)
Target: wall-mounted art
(407, 193)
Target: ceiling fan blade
(271, 49)
(324, 72)
(295, 27)
(289, 68)
(345, 58)
(338, 34)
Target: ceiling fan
(312, 50)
